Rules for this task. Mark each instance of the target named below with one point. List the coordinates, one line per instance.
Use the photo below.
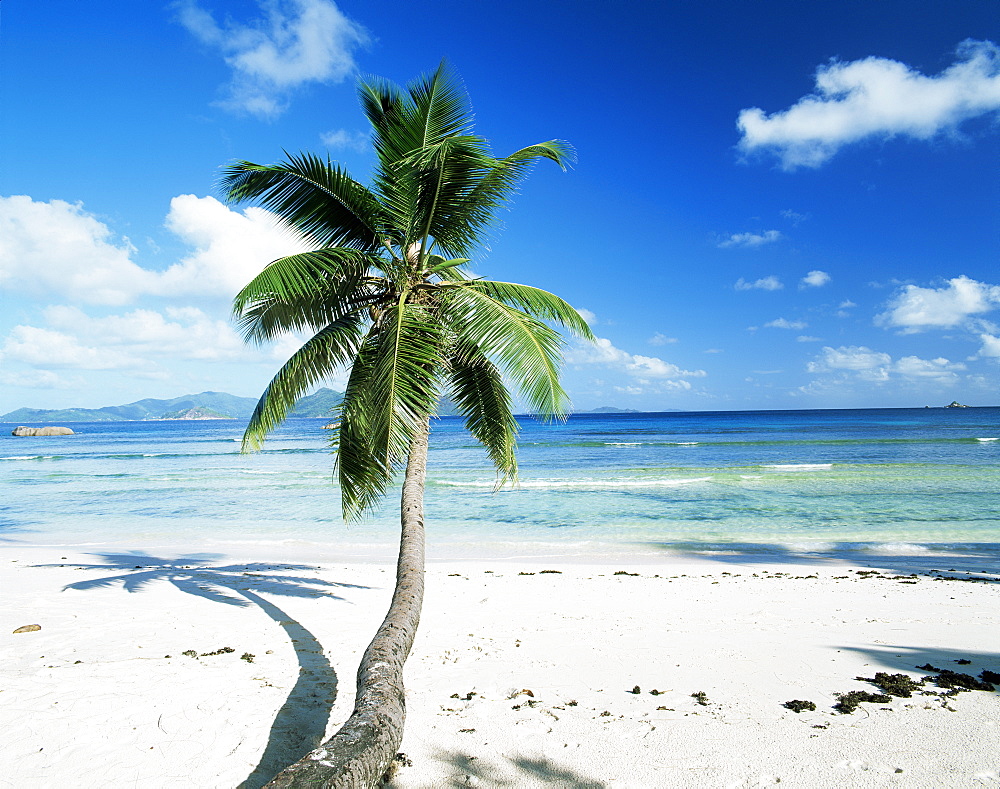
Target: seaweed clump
(956, 680)
(848, 702)
(900, 685)
(798, 705)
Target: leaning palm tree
(385, 295)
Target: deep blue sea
(800, 481)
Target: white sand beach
(526, 672)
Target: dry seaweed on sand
(901, 685)
(798, 705)
(848, 702)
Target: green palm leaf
(305, 292)
(333, 347)
(478, 391)
(528, 351)
(390, 395)
(316, 198)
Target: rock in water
(41, 431)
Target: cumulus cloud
(57, 249)
(645, 368)
(915, 309)
(230, 247)
(766, 283)
(815, 279)
(876, 98)
(661, 339)
(784, 323)
(750, 239)
(991, 346)
(875, 366)
(341, 139)
(292, 43)
(131, 341)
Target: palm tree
(383, 293)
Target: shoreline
(91, 699)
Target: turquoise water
(895, 479)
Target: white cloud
(177, 333)
(47, 348)
(230, 247)
(875, 366)
(38, 379)
(794, 217)
(59, 250)
(783, 323)
(766, 283)
(661, 339)
(293, 43)
(56, 248)
(603, 353)
(876, 97)
(345, 140)
(750, 239)
(815, 279)
(914, 308)
(991, 346)
(587, 315)
(807, 338)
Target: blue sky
(776, 204)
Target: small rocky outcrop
(41, 431)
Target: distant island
(195, 413)
(610, 409)
(207, 405)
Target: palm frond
(305, 291)
(478, 391)
(334, 346)
(534, 301)
(391, 392)
(528, 351)
(315, 197)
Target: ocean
(723, 483)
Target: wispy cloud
(661, 339)
(292, 43)
(875, 98)
(750, 239)
(765, 283)
(587, 315)
(783, 323)
(645, 369)
(794, 217)
(815, 279)
(341, 139)
(865, 364)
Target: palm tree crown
(383, 291)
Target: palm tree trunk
(360, 753)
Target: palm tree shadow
(300, 724)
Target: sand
(525, 672)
